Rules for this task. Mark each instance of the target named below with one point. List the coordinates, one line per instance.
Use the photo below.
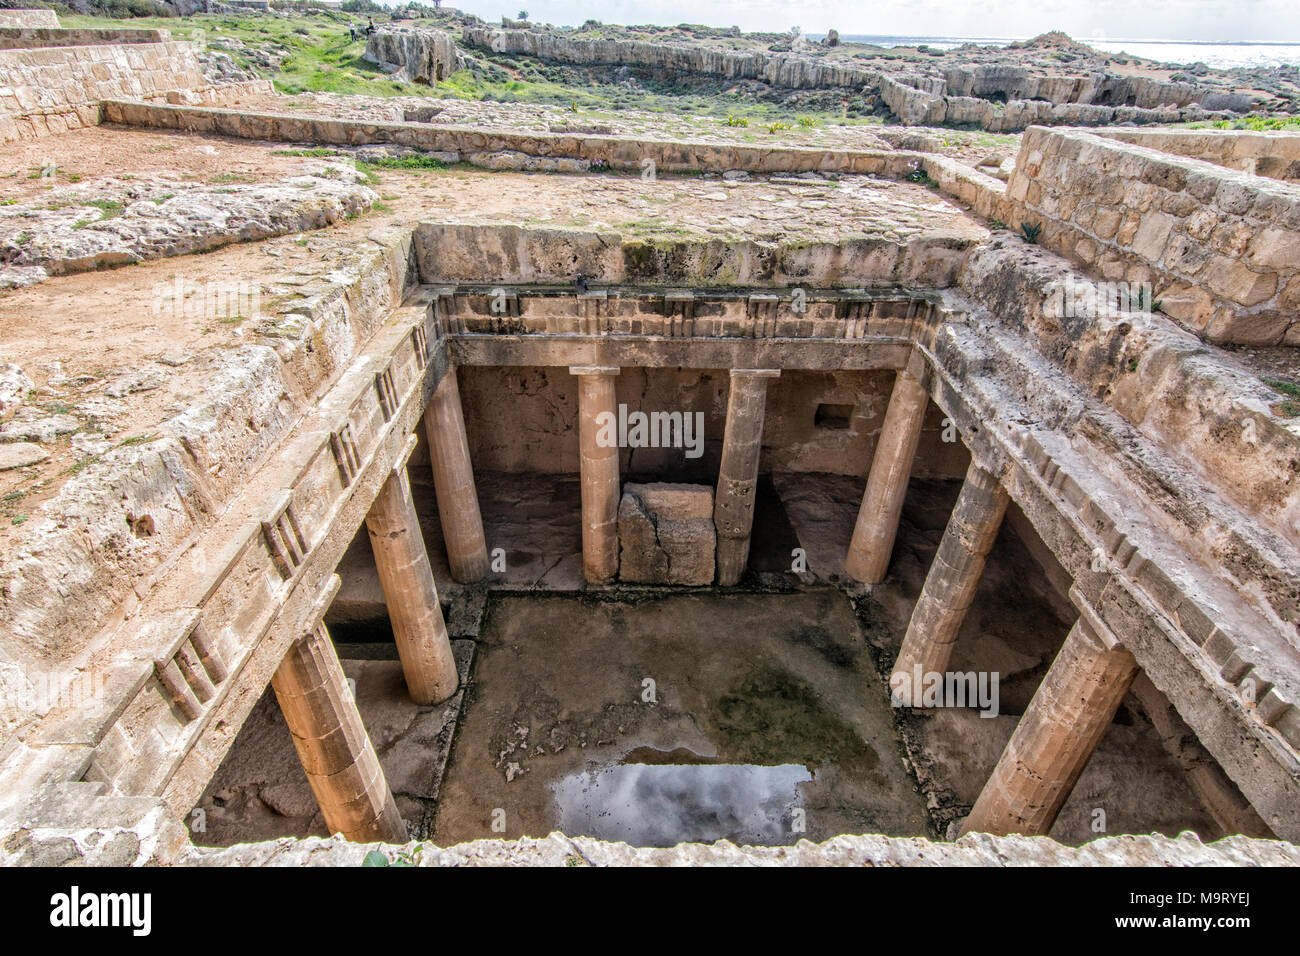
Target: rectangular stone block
(666, 534)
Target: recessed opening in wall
(833, 416)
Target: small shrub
(920, 176)
(1030, 232)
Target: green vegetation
(401, 858)
(920, 176)
(1260, 124)
(316, 152)
(314, 50)
(108, 207)
(402, 162)
(1289, 407)
(311, 51)
(1030, 232)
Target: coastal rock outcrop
(418, 55)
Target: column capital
(594, 370)
(755, 373)
(322, 602)
(918, 367)
(1090, 622)
(403, 456)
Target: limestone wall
(1273, 153)
(28, 18)
(1220, 247)
(450, 253)
(1099, 89)
(524, 419)
(56, 89)
(63, 592)
(224, 94)
(786, 71)
(555, 152)
(925, 101)
(28, 38)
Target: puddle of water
(667, 804)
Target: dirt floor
(260, 791)
(684, 717)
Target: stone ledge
(870, 850)
(614, 152)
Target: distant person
(352, 31)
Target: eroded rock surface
(117, 221)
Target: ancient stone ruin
(923, 506)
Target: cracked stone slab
(666, 534)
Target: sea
(1212, 54)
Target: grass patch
(403, 162)
(1290, 407)
(1283, 386)
(316, 152)
(110, 208)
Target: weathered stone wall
(1271, 153)
(29, 38)
(925, 101)
(563, 152)
(1221, 248)
(525, 420)
(28, 18)
(57, 89)
(80, 564)
(1098, 89)
(450, 253)
(786, 71)
(961, 95)
(224, 94)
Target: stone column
(742, 442)
(891, 466)
(332, 743)
(409, 591)
(950, 585)
(453, 480)
(600, 487)
(1055, 737)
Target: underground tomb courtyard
(365, 560)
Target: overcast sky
(1258, 20)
